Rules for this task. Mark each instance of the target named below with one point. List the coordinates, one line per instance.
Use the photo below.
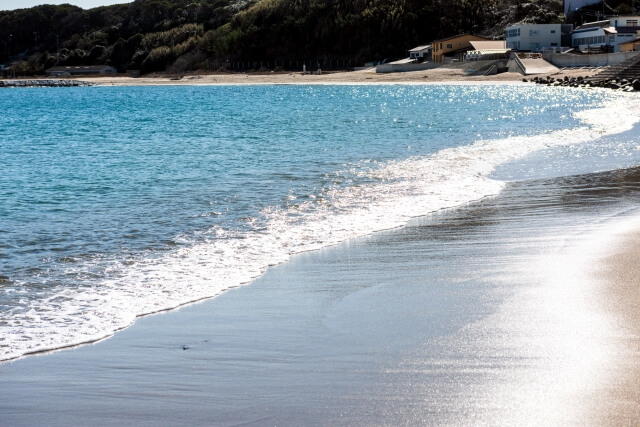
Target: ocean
(117, 202)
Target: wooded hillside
(185, 35)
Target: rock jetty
(44, 83)
(625, 85)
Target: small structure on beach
(487, 50)
(421, 53)
(630, 46)
(453, 48)
(81, 70)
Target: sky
(85, 4)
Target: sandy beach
(459, 74)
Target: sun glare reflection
(555, 337)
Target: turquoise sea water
(118, 202)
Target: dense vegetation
(185, 35)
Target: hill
(177, 36)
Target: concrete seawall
(403, 68)
(596, 60)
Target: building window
(632, 23)
(589, 40)
(514, 32)
(553, 31)
(449, 46)
(534, 33)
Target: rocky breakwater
(625, 85)
(43, 83)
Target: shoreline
(340, 330)
(436, 75)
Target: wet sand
(620, 275)
(488, 314)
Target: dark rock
(45, 83)
(636, 84)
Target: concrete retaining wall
(597, 60)
(403, 68)
(469, 66)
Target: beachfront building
(453, 48)
(81, 70)
(420, 53)
(538, 37)
(607, 35)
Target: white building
(421, 53)
(606, 36)
(537, 37)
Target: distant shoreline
(437, 75)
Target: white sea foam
(400, 190)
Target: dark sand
(466, 317)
